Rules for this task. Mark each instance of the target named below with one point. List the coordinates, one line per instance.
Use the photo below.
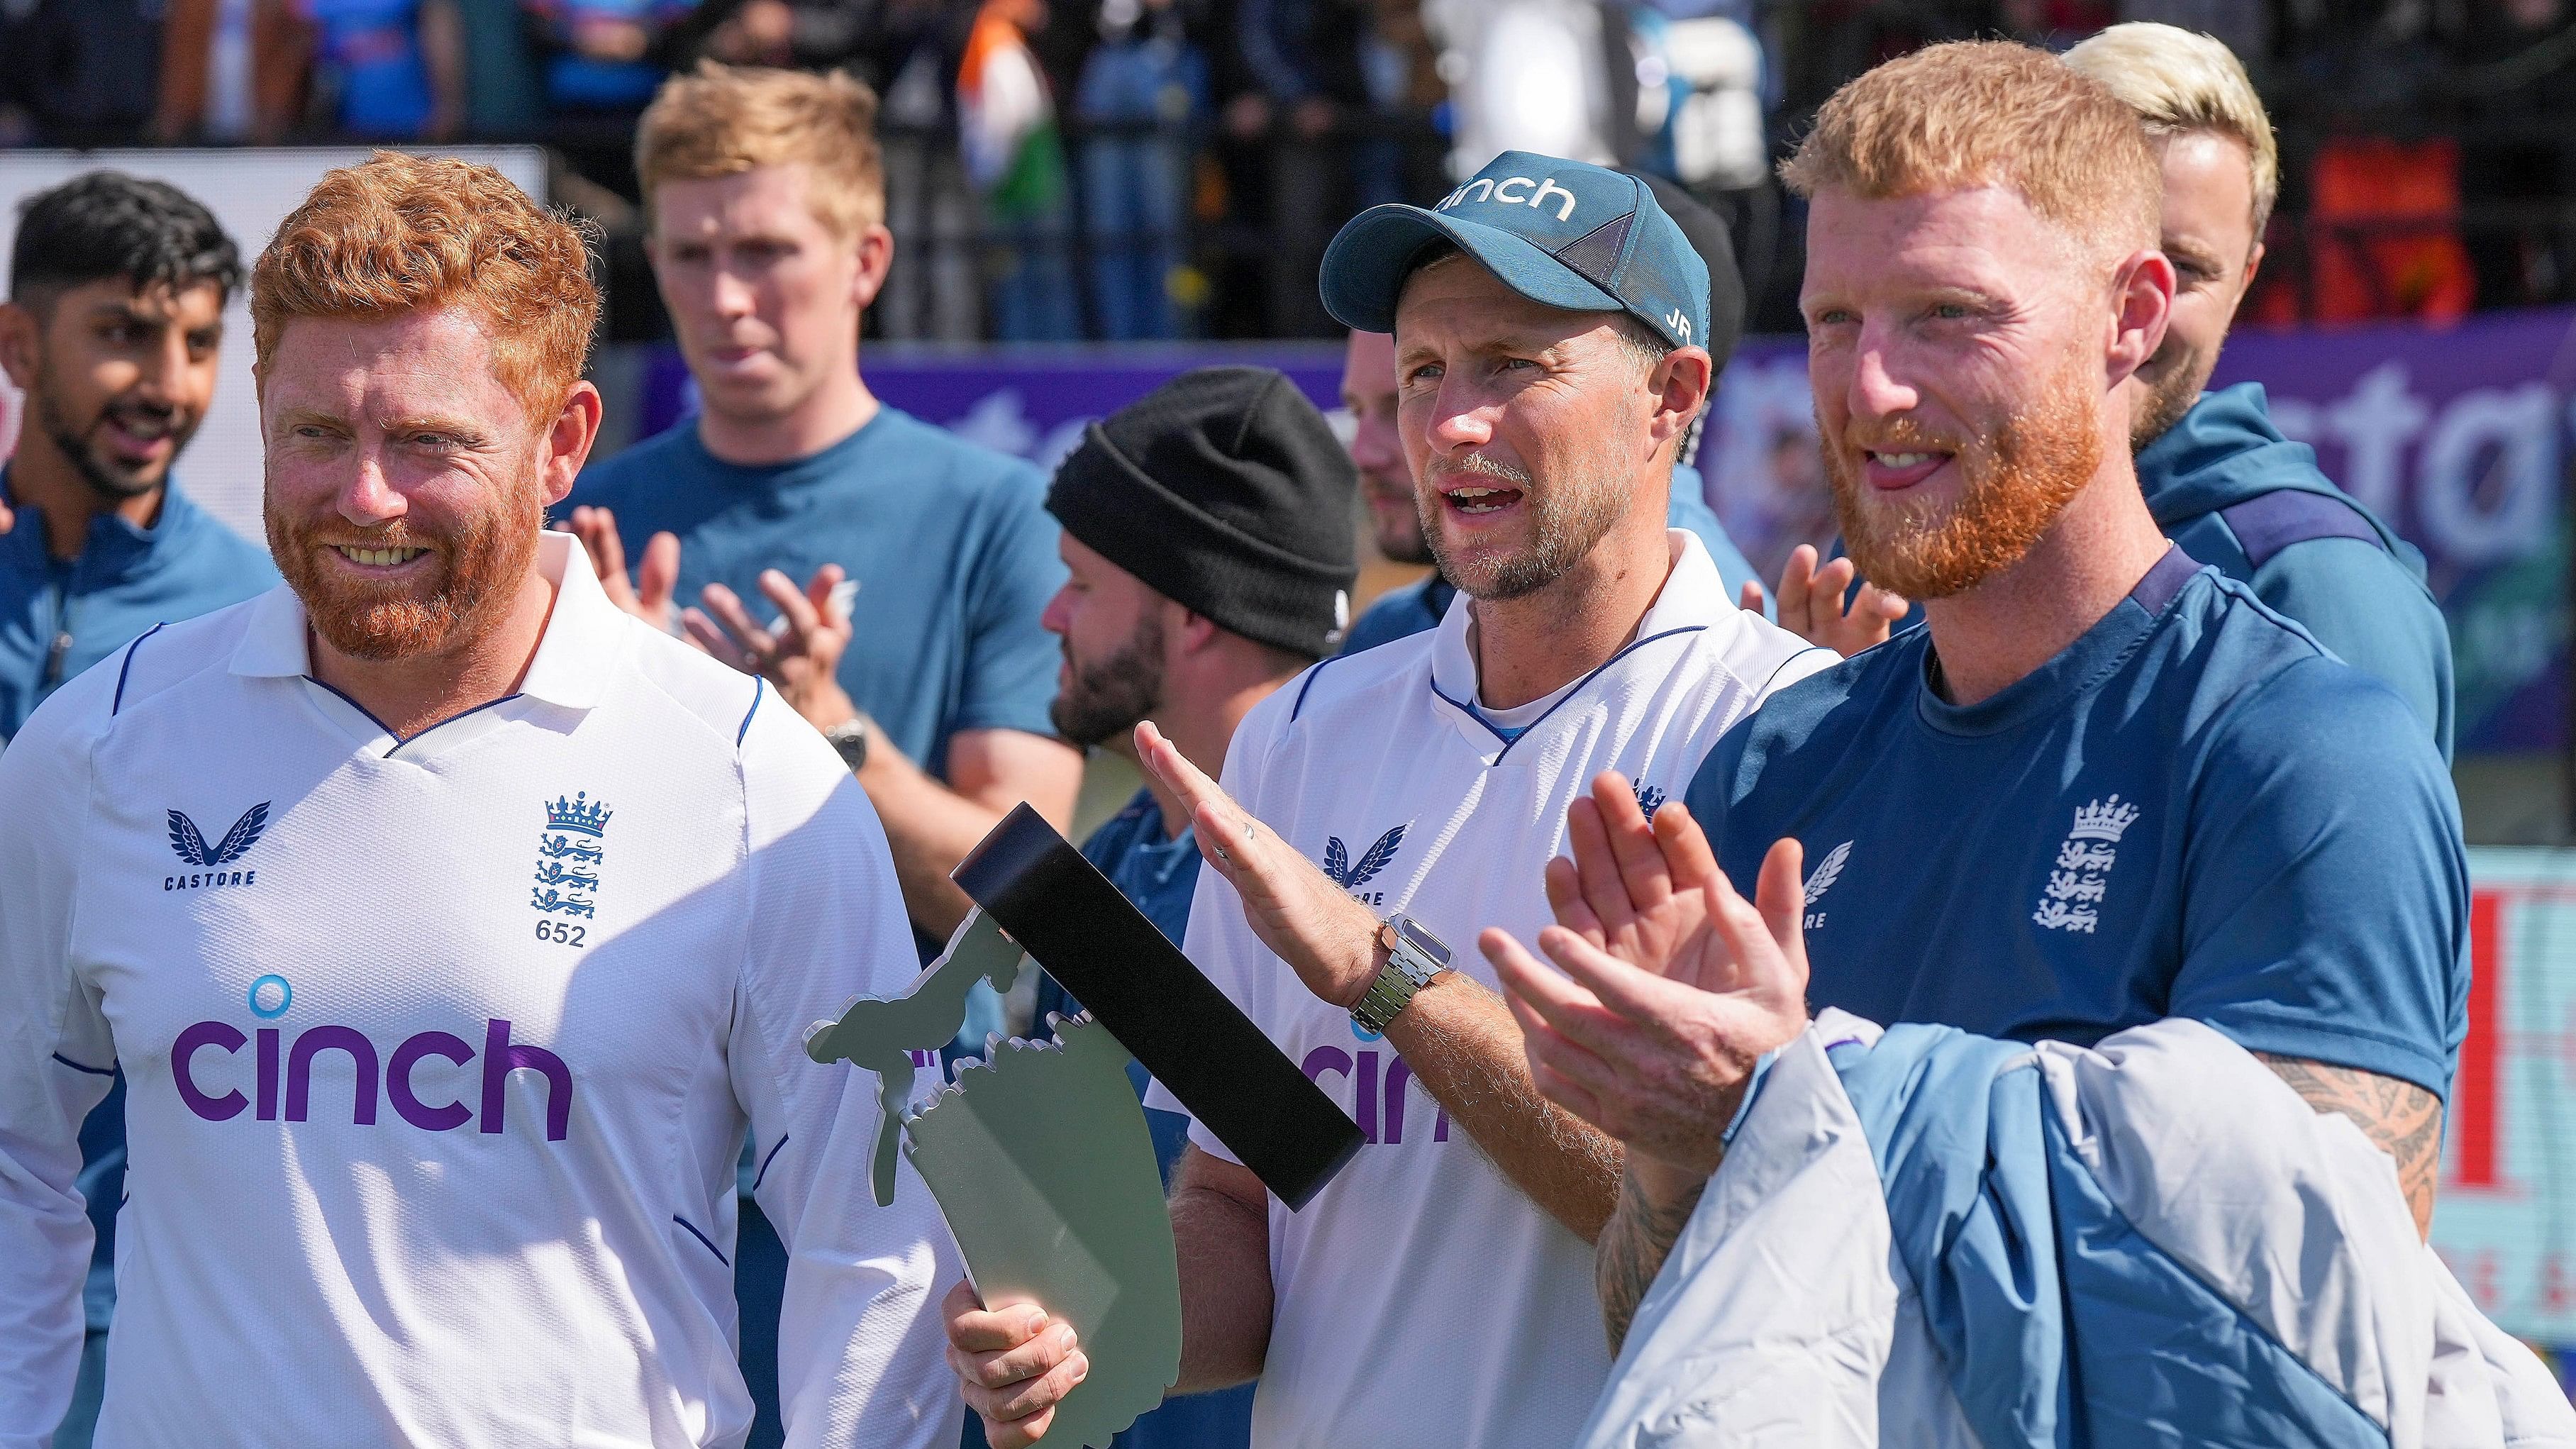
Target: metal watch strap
(1413, 957)
(850, 739)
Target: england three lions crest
(2081, 874)
(569, 852)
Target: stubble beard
(2018, 479)
(2168, 398)
(478, 571)
(1567, 521)
(112, 485)
(1111, 696)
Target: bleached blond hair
(2178, 81)
(1976, 113)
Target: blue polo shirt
(59, 617)
(950, 546)
(1157, 873)
(1418, 606)
(2193, 810)
(2233, 491)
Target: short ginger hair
(719, 120)
(2178, 82)
(1977, 113)
(401, 234)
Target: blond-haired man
(794, 496)
(451, 928)
(2219, 477)
(2105, 785)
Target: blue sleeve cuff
(2260, 1029)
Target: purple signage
(2459, 436)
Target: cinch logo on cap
(1545, 188)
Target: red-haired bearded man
(451, 926)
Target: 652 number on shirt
(562, 933)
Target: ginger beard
(2015, 480)
(476, 566)
(1566, 520)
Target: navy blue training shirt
(2193, 810)
(59, 617)
(950, 545)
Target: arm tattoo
(2400, 1118)
(1631, 1252)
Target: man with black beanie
(1207, 531)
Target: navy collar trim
(1508, 741)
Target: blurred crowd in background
(1123, 170)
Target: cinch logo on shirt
(1351, 874)
(189, 844)
(283, 1072)
(1381, 1118)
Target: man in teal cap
(1551, 329)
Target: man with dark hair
(115, 316)
(1210, 562)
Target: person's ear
(876, 260)
(568, 440)
(2142, 293)
(1681, 383)
(22, 343)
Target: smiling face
(765, 297)
(1956, 347)
(1111, 626)
(2208, 233)
(118, 379)
(406, 483)
(1377, 448)
(1528, 429)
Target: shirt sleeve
(1219, 940)
(56, 1057)
(2366, 607)
(2326, 899)
(861, 1355)
(1011, 659)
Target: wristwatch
(1413, 957)
(850, 738)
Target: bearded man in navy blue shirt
(2106, 785)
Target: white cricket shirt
(439, 1054)
(1420, 1298)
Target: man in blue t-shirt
(1209, 564)
(884, 576)
(2219, 477)
(113, 330)
(2106, 785)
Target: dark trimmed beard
(2170, 396)
(477, 570)
(1108, 697)
(2016, 480)
(1566, 521)
(113, 484)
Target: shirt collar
(573, 658)
(1693, 597)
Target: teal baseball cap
(1561, 233)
